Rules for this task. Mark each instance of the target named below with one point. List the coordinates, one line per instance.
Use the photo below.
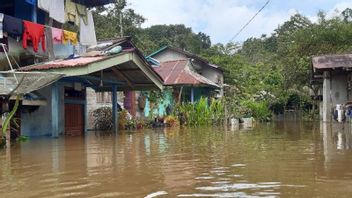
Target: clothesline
(37, 33)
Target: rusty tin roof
(332, 61)
(77, 62)
(178, 73)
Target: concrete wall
(92, 104)
(169, 55)
(339, 89)
(38, 123)
(215, 76)
(16, 51)
(335, 91)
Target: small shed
(332, 75)
(110, 66)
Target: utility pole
(121, 5)
(121, 26)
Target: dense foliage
(267, 73)
(200, 113)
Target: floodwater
(282, 159)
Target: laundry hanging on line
(69, 36)
(33, 32)
(87, 31)
(13, 26)
(57, 35)
(71, 14)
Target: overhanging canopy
(127, 70)
(12, 83)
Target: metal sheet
(12, 83)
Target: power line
(239, 32)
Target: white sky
(222, 19)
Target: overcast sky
(222, 19)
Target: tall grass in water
(200, 113)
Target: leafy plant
(200, 113)
(123, 119)
(258, 109)
(102, 118)
(171, 121)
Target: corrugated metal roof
(188, 54)
(178, 73)
(332, 61)
(76, 62)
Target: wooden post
(55, 110)
(180, 95)
(8, 136)
(225, 112)
(49, 42)
(327, 97)
(114, 109)
(86, 116)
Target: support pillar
(55, 110)
(327, 97)
(114, 108)
(86, 116)
(192, 95)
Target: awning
(127, 70)
(12, 83)
(327, 62)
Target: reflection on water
(283, 159)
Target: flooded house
(187, 76)
(110, 66)
(332, 79)
(196, 65)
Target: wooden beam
(117, 73)
(127, 70)
(149, 72)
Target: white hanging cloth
(87, 32)
(44, 5)
(55, 8)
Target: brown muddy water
(283, 159)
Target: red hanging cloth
(34, 32)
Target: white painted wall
(169, 55)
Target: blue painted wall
(38, 123)
(161, 107)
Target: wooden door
(74, 121)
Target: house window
(103, 97)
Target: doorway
(74, 119)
